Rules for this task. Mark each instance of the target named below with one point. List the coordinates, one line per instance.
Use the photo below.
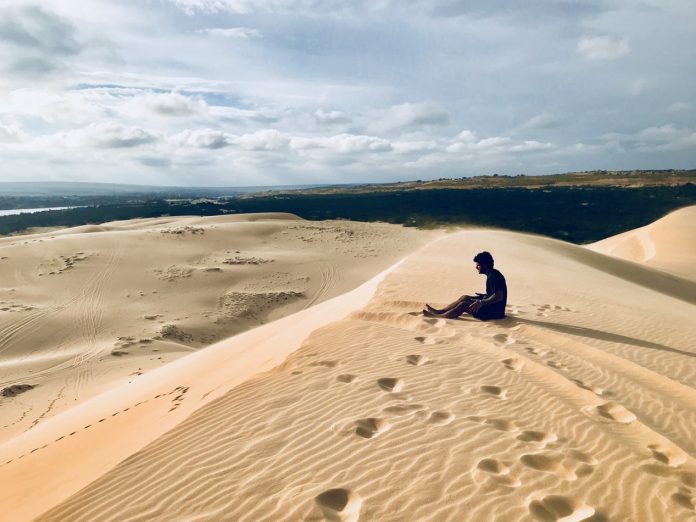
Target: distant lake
(29, 210)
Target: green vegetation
(579, 214)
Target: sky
(269, 92)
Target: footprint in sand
(685, 498)
(498, 424)
(494, 391)
(585, 386)
(557, 365)
(417, 360)
(371, 427)
(346, 377)
(513, 364)
(339, 505)
(326, 364)
(536, 351)
(441, 418)
(504, 339)
(400, 410)
(426, 340)
(670, 455)
(548, 463)
(557, 507)
(493, 466)
(540, 437)
(497, 471)
(616, 413)
(390, 384)
(435, 322)
(584, 463)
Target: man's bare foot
(428, 313)
(433, 310)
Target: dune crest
(667, 244)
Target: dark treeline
(576, 214)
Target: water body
(14, 211)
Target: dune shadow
(582, 331)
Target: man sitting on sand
(490, 305)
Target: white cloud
(660, 138)
(331, 117)
(263, 140)
(108, 135)
(11, 133)
(531, 146)
(602, 48)
(343, 143)
(55, 107)
(275, 6)
(680, 106)
(410, 116)
(203, 138)
(414, 147)
(232, 32)
(541, 121)
(466, 136)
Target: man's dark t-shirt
(495, 281)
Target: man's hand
(475, 307)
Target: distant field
(579, 214)
(595, 178)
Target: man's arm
(494, 298)
(485, 301)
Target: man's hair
(484, 258)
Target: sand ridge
(667, 244)
(579, 406)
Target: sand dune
(91, 307)
(667, 244)
(579, 406)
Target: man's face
(481, 269)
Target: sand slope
(579, 406)
(668, 244)
(85, 309)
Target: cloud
(263, 140)
(528, 9)
(411, 116)
(34, 44)
(11, 134)
(343, 143)
(33, 28)
(602, 48)
(243, 33)
(660, 138)
(678, 107)
(167, 104)
(532, 146)
(203, 138)
(110, 135)
(331, 117)
(541, 121)
(275, 6)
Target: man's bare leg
(453, 309)
(450, 306)
(458, 310)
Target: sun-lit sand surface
(579, 406)
(668, 244)
(87, 308)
